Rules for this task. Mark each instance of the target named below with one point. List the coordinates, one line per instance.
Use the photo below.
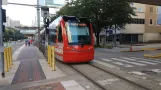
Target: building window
(158, 21)
(140, 10)
(151, 21)
(151, 9)
(157, 10)
(138, 21)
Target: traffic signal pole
(46, 24)
(1, 41)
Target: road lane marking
(140, 61)
(138, 64)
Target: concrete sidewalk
(31, 66)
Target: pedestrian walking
(29, 43)
(26, 42)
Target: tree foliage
(100, 12)
(12, 34)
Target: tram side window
(60, 37)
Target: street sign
(4, 2)
(45, 11)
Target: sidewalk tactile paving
(29, 68)
(53, 86)
(28, 71)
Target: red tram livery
(74, 42)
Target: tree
(12, 33)
(100, 12)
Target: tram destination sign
(78, 24)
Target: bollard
(48, 54)
(7, 50)
(5, 60)
(11, 57)
(53, 58)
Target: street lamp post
(115, 36)
(38, 22)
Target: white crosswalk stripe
(106, 64)
(118, 63)
(140, 61)
(134, 63)
(121, 64)
(128, 62)
(106, 60)
(154, 60)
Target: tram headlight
(90, 48)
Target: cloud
(24, 14)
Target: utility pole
(38, 22)
(1, 40)
(115, 37)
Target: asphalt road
(131, 62)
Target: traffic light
(47, 30)
(3, 15)
(3, 28)
(47, 23)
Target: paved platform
(29, 66)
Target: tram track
(104, 79)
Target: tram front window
(78, 34)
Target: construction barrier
(8, 61)
(51, 57)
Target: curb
(144, 49)
(150, 49)
(152, 56)
(133, 51)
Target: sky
(24, 14)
